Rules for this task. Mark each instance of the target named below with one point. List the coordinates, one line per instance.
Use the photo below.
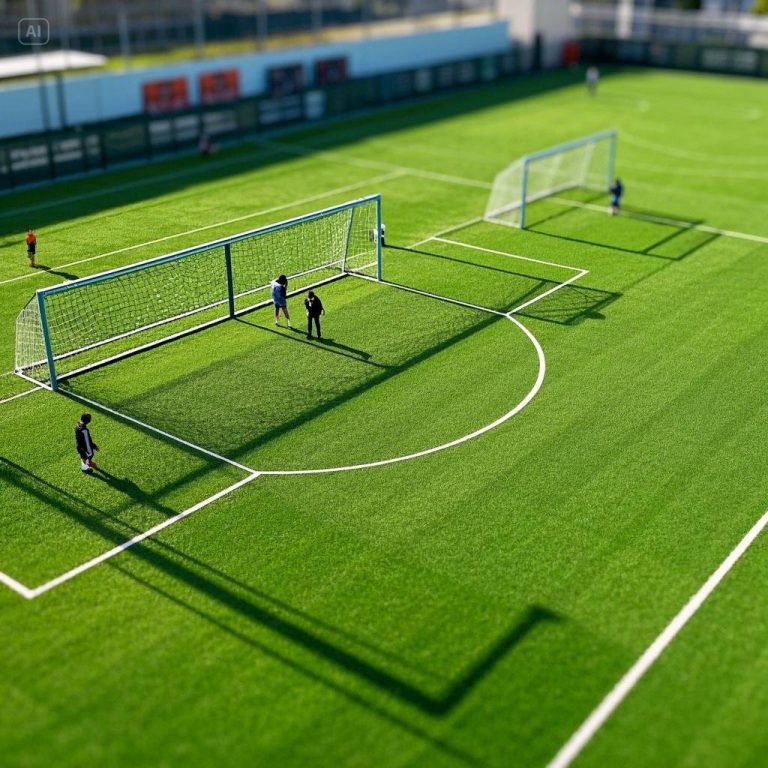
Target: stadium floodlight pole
(47, 341)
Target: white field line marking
(303, 150)
(253, 474)
(274, 209)
(690, 155)
(579, 272)
(573, 747)
(699, 173)
(664, 220)
(146, 181)
(452, 228)
(21, 394)
(507, 253)
(550, 291)
(458, 441)
(158, 431)
(16, 586)
(98, 560)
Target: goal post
(587, 163)
(83, 324)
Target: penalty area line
(161, 432)
(597, 719)
(99, 559)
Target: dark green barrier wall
(698, 56)
(44, 157)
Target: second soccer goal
(588, 163)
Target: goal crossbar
(587, 162)
(61, 330)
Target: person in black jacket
(314, 309)
(84, 443)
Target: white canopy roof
(47, 62)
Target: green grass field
(469, 606)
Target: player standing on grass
(616, 190)
(593, 78)
(84, 444)
(31, 247)
(314, 308)
(280, 298)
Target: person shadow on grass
(131, 489)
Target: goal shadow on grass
(568, 305)
(309, 379)
(664, 237)
(371, 664)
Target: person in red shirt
(31, 247)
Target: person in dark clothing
(314, 309)
(31, 241)
(84, 444)
(616, 190)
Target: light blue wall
(91, 98)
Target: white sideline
(21, 394)
(98, 560)
(264, 212)
(157, 431)
(664, 220)
(575, 745)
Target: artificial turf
(468, 607)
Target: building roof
(47, 62)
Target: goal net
(77, 326)
(586, 163)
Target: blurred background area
(126, 28)
(90, 84)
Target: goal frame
(41, 294)
(527, 160)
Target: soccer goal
(83, 324)
(588, 163)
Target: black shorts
(31, 250)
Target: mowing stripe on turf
(307, 151)
(576, 744)
(157, 431)
(201, 170)
(506, 253)
(464, 438)
(549, 292)
(99, 559)
(274, 209)
(579, 272)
